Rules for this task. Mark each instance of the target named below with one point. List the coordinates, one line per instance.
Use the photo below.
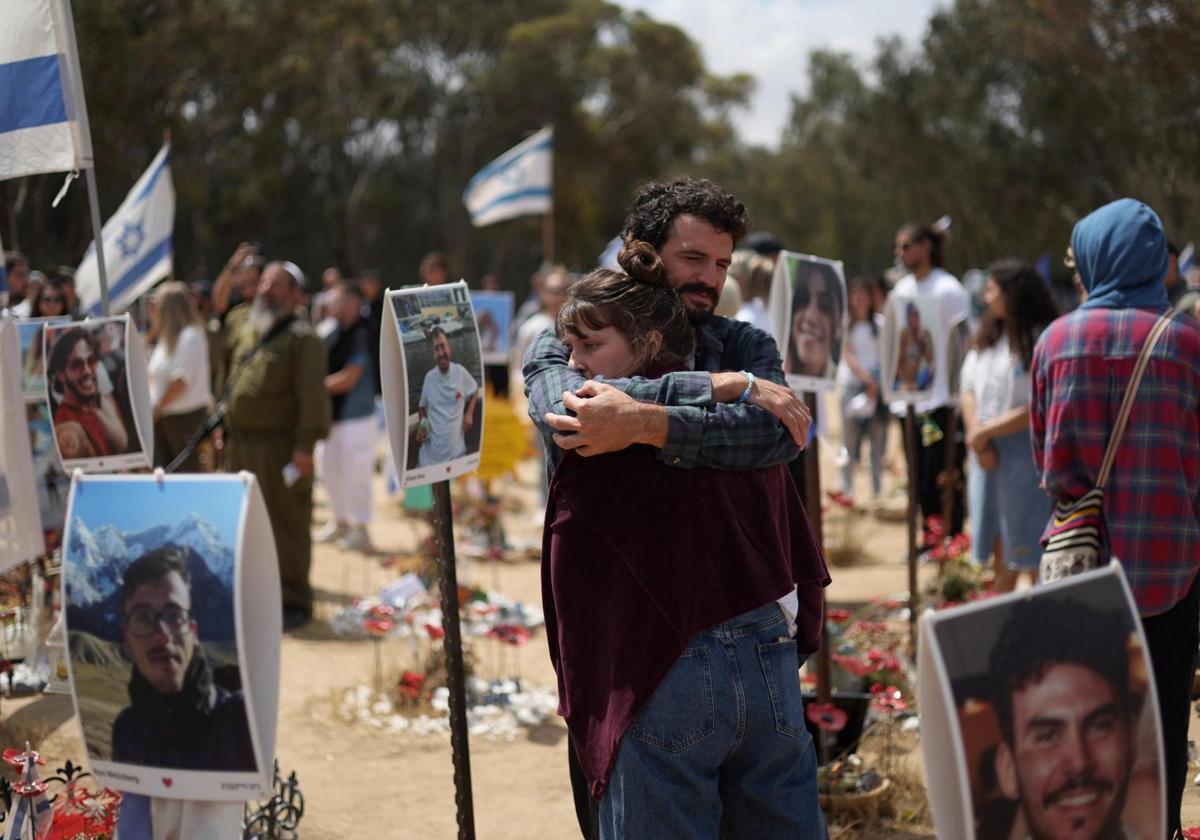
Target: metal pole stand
(911, 456)
(455, 673)
(812, 493)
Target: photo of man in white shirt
(446, 407)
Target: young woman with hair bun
(667, 594)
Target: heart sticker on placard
(168, 781)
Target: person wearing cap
(277, 410)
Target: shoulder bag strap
(1110, 452)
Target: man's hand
(607, 420)
(468, 421)
(303, 462)
(778, 400)
(781, 401)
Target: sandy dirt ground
(361, 783)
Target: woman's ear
(654, 343)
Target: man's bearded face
(79, 375)
(1072, 754)
(696, 257)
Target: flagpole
(97, 237)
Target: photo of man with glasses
(177, 717)
(88, 422)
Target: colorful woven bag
(1077, 533)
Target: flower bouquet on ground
(874, 681)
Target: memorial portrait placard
(432, 375)
(171, 594)
(807, 308)
(913, 347)
(494, 314)
(98, 395)
(1039, 715)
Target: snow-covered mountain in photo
(96, 561)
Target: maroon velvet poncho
(638, 557)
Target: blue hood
(1121, 256)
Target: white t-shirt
(189, 362)
(754, 311)
(954, 304)
(863, 342)
(534, 325)
(444, 396)
(996, 379)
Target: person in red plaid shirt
(1081, 369)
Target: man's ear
(1006, 772)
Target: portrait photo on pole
(494, 314)
(21, 537)
(172, 651)
(432, 374)
(98, 394)
(1039, 716)
(808, 316)
(912, 349)
(33, 369)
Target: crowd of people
(682, 583)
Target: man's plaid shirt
(699, 432)
(1081, 369)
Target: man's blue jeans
(721, 750)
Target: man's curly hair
(1040, 634)
(658, 203)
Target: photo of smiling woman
(817, 323)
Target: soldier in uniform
(278, 409)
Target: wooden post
(911, 451)
(97, 238)
(812, 494)
(455, 672)
(950, 473)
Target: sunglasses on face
(144, 623)
(81, 364)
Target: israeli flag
(1187, 259)
(43, 117)
(518, 183)
(137, 242)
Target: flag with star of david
(518, 183)
(137, 242)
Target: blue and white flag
(43, 117)
(1187, 259)
(518, 183)
(137, 242)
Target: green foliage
(344, 132)
(1016, 117)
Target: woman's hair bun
(640, 261)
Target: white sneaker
(357, 539)
(330, 531)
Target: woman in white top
(753, 273)
(180, 389)
(1008, 508)
(864, 414)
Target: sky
(139, 505)
(771, 39)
